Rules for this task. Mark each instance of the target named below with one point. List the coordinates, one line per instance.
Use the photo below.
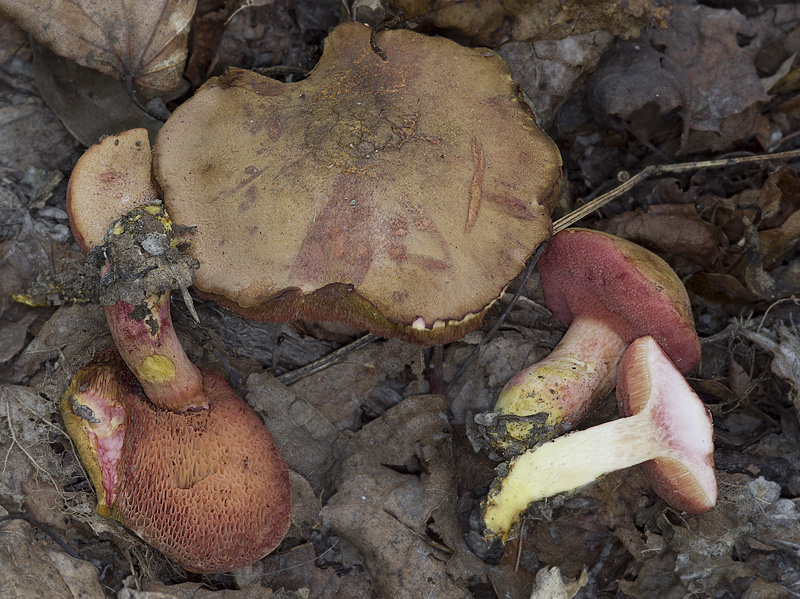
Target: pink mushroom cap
(636, 293)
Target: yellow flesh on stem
(566, 464)
(564, 385)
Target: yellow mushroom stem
(562, 387)
(665, 425)
(565, 464)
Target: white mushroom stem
(580, 370)
(669, 427)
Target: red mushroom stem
(151, 349)
(667, 426)
(581, 369)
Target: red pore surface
(399, 190)
(591, 273)
(209, 488)
(684, 477)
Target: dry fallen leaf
(31, 570)
(396, 503)
(141, 42)
(493, 22)
(714, 51)
(784, 345)
(638, 87)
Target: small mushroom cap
(398, 191)
(209, 488)
(586, 272)
(648, 379)
(111, 178)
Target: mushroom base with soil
(549, 397)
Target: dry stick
(295, 375)
(600, 201)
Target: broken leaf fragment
(494, 22)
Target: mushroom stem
(561, 388)
(665, 424)
(151, 349)
(567, 463)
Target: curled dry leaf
(141, 42)
(709, 48)
(632, 77)
(784, 345)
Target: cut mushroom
(610, 291)
(665, 427)
(207, 488)
(399, 188)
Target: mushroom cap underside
(630, 288)
(401, 194)
(209, 488)
(684, 477)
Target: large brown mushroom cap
(397, 194)
(208, 488)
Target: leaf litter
(386, 483)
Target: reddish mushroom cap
(685, 477)
(398, 190)
(586, 272)
(208, 488)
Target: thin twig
(295, 375)
(660, 169)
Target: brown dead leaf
(71, 336)
(632, 78)
(305, 438)
(494, 22)
(725, 92)
(31, 570)
(91, 104)
(550, 71)
(396, 503)
(297, 569)
(670, 230)
(141, 42)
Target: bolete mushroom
(207, 488)
(399, 188)
(173, 453)
(609, 291)
(665, 427)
